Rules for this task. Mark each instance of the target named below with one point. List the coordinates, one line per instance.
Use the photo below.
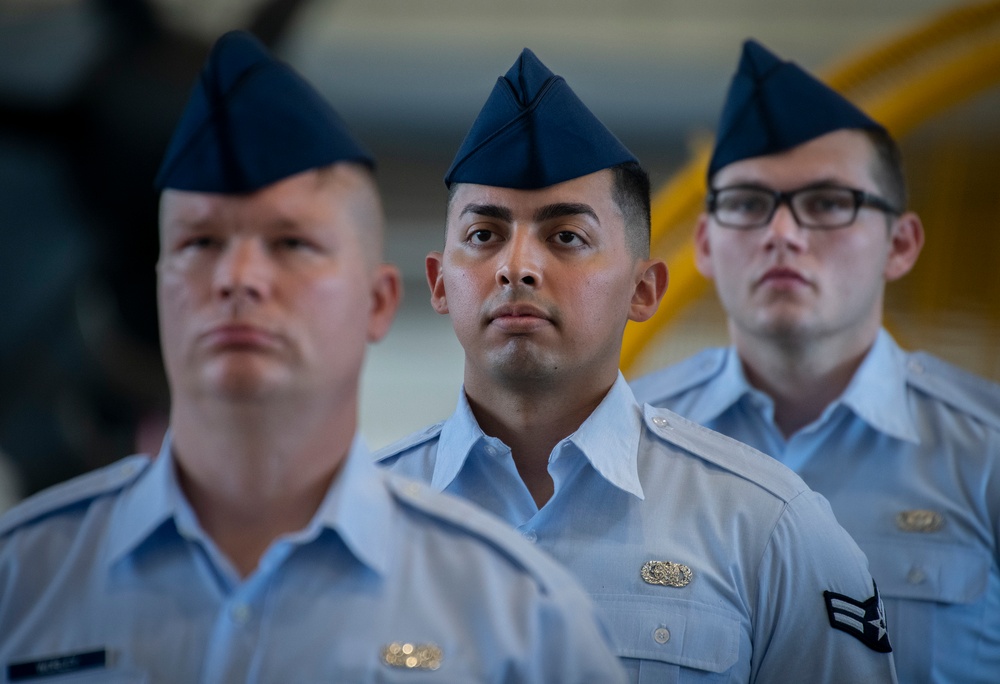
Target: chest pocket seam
(925, 570)
(697, 635)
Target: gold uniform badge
(412, 656)
(919, 520)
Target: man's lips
(518, 318)
(782, 277)
(240, 336)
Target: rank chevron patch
(864, 621)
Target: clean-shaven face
(270, 292)
(538, 283)
(782, 281)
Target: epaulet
(679, 377)
(460, 514)
(725, 452)
(957, 387)
(80, 489)
(413, 439)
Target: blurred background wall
(90, 91)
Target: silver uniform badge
(412, 656)
(920, 520)
(666, 574)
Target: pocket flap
(674, 631)
(927, 571)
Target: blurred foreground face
(538, 283)
(781, 280)
(274, 293)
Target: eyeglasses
(822, 206)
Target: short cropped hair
(630, 191)
(887, 167)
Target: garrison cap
(251, 120)
(773, 105)
(534, 132)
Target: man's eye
(292, 243)
(567, 237)
(831, 202)
(481, 236)
(199, 242)
(745, 204)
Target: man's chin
(522, 365)
(245, 386)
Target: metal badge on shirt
(919, 520)
(666, 573)
(412, 656)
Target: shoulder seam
(408, 442)
(780, 481)
(678, 378)
(962, 390)
(82, 488)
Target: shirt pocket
(666, 634)
(925, 570)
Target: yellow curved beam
(967, 62)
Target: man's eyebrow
(489, 211)
(561, 209)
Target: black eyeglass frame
(861, 199)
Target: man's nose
(784, 228)
(243, 270)
(520, 261)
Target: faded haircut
(887, 167)
(630, 191)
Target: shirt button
(240, 613)
(916, 575)
(915, 366)
(661, 422)
(531, 536)
(491, 450)
(661, 635)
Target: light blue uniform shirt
(909, 458)
(751, 548)
(113, 567)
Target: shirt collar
(877, 392)
(608, 438)
(144, 507)
(459, 435)
(357, 506)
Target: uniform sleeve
(818, 615)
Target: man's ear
(434, 268)
(649, 290)
(702, 248)
(387, 293)
(906, 239)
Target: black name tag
(56, 665)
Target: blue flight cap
(773, 105)
(251, 121)
(534, 132)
